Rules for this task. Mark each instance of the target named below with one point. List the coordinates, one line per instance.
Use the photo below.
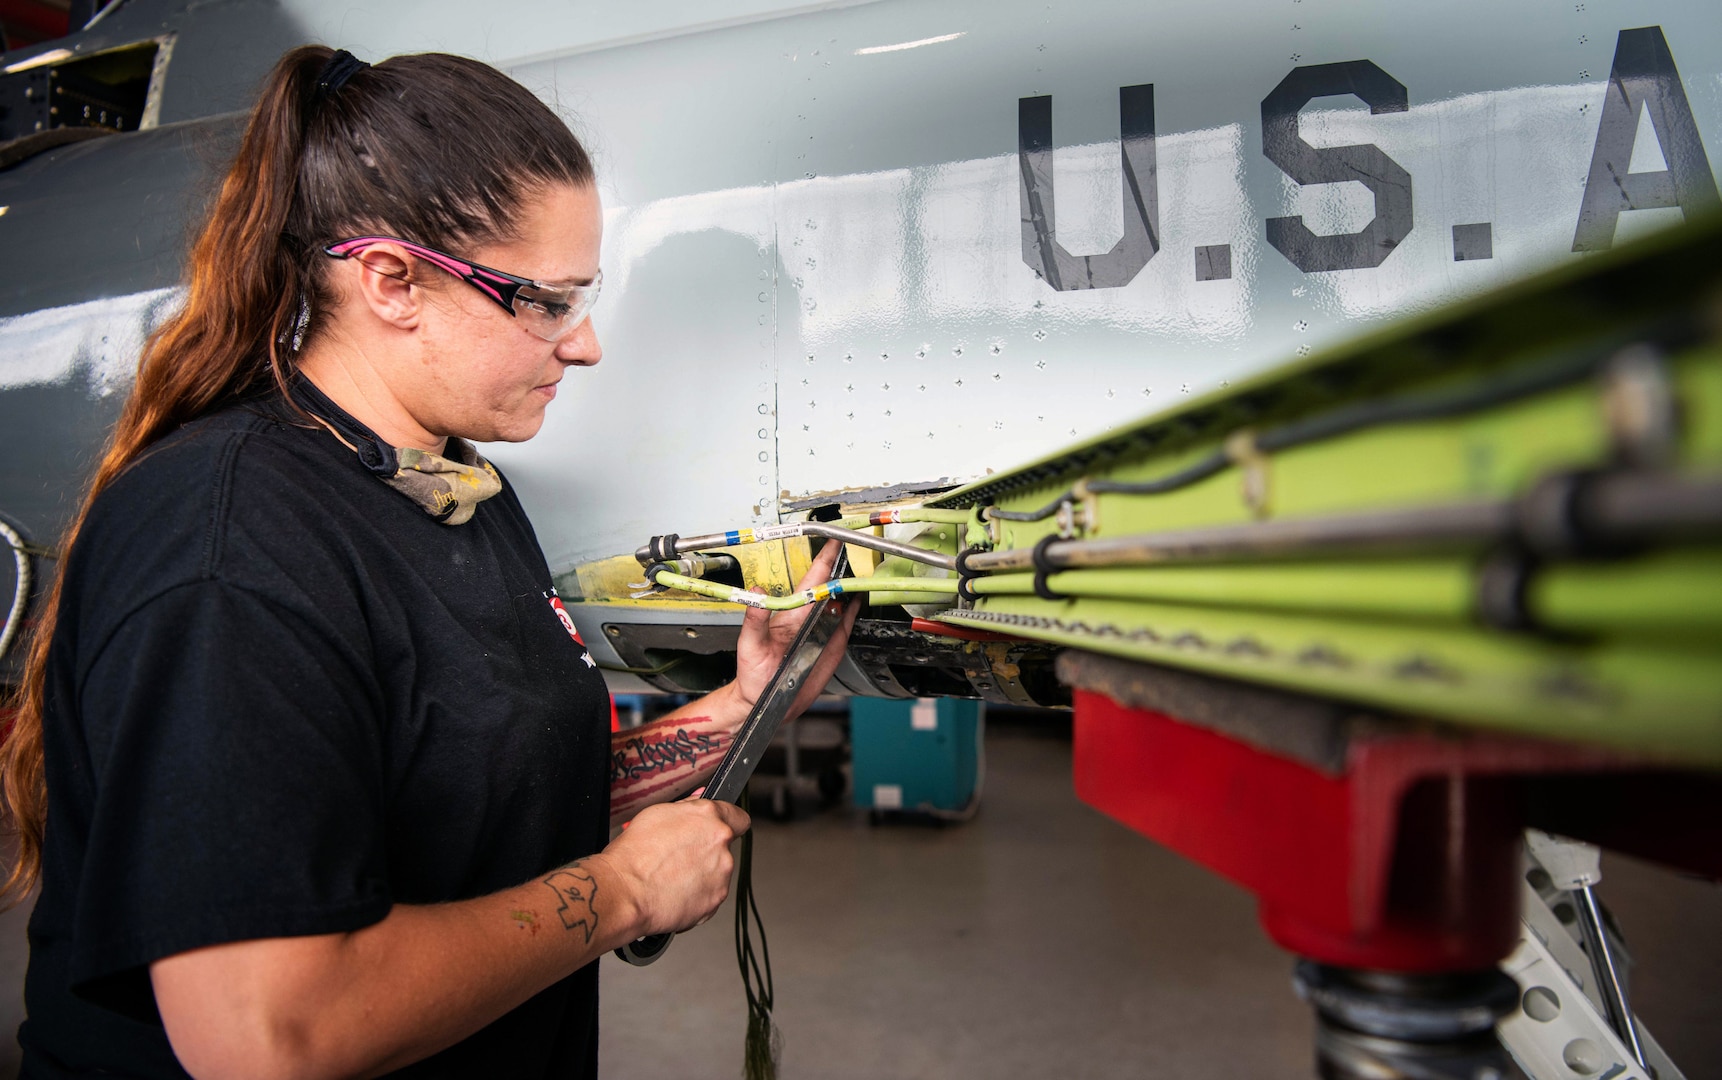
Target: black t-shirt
(282, 697)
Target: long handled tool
(730, 780)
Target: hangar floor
(1039, 940)
(1044, 940)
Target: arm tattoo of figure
(645, 755)
(575, 891)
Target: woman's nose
(581, 345)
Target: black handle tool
(733, 772)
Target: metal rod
(1626, 507)
(686, 544)
(1630, 504)
(1607, 977)
(1430, 525)
(879, 543)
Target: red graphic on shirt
(567, 620)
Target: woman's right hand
(676, 861)
(367, 1001)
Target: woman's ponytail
(244, 288)
(243, 298)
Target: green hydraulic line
(905, 516)
(1678, 593)
(1439, 589)
(803, 597)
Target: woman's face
(482, 373)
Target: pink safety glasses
(549, 311)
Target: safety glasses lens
(553, 316)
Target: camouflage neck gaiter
(447, 486)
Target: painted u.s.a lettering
(1643, 84)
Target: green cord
(763, 1046)
(803, 597)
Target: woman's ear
(383, 276)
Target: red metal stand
(1407, 861)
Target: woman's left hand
(767, 635)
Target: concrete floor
(1044, 940)
(1039, 940)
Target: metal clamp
(966, 576)
(1043, 566)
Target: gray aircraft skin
(833, 256)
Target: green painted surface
(1625, 652)
(1658, 701)
(1585, 302)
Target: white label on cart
(924, 715)
(887, 796)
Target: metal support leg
(1577, 867)
(1563, 1028)
(1615, 1005)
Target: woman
(313, 769)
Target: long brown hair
(434, 148)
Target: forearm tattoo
(661, 760)
(576, 890)
(648, 755)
